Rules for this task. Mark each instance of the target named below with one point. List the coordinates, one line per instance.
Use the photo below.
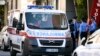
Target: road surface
(7, 53)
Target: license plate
(51, 50)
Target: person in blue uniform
(83, 30)
(74, 27)
(93, 25)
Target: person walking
(72, 33)
(83, 30)
(93, 25)
(76, 29)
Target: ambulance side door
(16, 37)
(18, 31)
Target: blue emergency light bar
(40, 7)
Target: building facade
(64, 5)
(19, 4)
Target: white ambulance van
(39, 32)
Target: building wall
(70, 9)
(66, 6)
(63, 5)
(20, 4)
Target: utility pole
(88, 7)
(75, 6)
(5, 12)
(57, 2)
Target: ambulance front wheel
(4, 47)
(24, 50)
(12, 51)
(75, 54)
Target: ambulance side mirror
(20, 26)
(83, 41)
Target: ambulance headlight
(33, 42)
(68, 34)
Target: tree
(81, 6)
(2, 13)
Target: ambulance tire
(75, 54)
(24, 51)
(12, 51)
(66, 55)
(4, 47)
(37, 55)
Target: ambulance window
(40, 20)
(15, 21)
(20, 24)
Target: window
(11, 4)
(41, 20)
(20, 25)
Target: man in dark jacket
(72, 33)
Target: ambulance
(39, 30)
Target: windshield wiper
(36, 27)
(33, 27)
(55, 28)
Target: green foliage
(2, 13)
(79, 2)
(81, 8)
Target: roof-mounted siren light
(40, 7)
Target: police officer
(83, 30)
(93, 25)
(76, 29)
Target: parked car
(4, 38)
(91, 47)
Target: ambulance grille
(51, 42)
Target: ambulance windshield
(40, 20)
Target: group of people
(81, 29)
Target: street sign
(2, 2)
